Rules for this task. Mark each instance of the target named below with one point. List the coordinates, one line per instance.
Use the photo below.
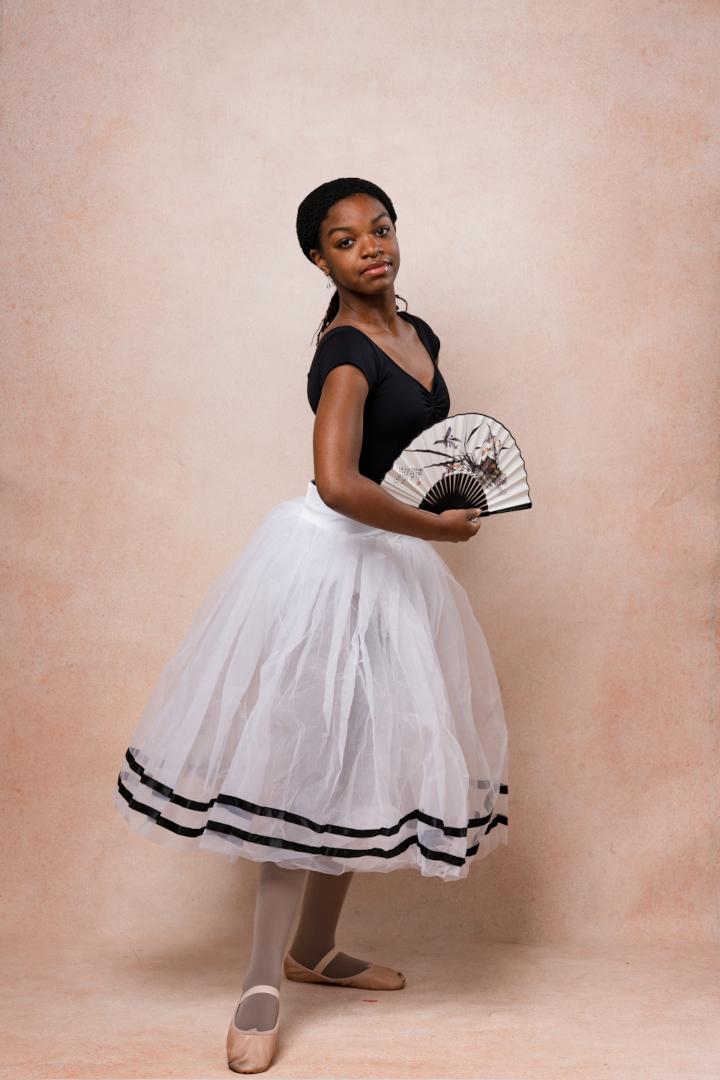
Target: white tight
(276, 904)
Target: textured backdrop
(554, 168)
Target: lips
(376, 265)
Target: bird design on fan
(466, 460)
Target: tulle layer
(333, 706)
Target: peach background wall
(554, 168)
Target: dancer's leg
(315, 934)
(276, 902)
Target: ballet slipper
(374, 977)
(250, 1050)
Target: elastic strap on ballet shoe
(324, 960)
(264, 988)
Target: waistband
(325, 517)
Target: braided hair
(313, 210)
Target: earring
(330, 282)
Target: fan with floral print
(467, 460)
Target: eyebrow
(348, 228)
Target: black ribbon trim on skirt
(270, 811)
(278, 842)
(298, 819)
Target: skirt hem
(224, 840)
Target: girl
(334, 706)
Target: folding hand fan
(463, 461)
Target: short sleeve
(344, 345)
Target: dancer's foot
(341, 966)
(258, 1010)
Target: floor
(486, 1011)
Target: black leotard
(398, 407)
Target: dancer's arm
(337, 442)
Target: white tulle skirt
(333, 706)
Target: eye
(379, 229)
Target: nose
(373, 247)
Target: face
(357, 233)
